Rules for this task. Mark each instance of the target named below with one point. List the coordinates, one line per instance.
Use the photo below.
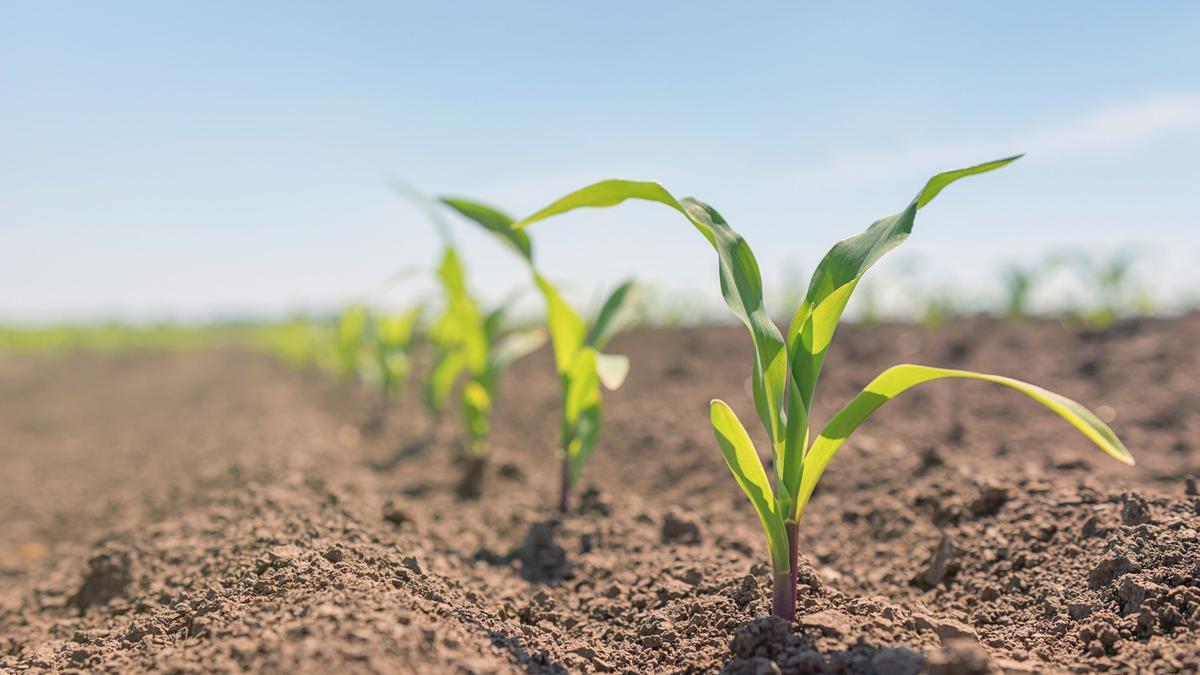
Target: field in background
(214, 509)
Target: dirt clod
(959, 656)
(1134, 509)
(940, 566)
(678, 528)
(541, 557)
(109, 574)
(1108, 569)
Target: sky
(218, 159)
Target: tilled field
(214, 511)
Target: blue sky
(201, 159)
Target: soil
(215, 511)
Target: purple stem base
(783, 599)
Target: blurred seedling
(1112, 280)
(467, 341)
(577, 344)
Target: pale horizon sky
(232, 159)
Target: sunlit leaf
(833, 282)
(567, 330)
(895, 380)
(741, 282)
(495, 221)
(747, 469)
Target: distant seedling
(293, 341)
(1112, 281)
(785, 370)
(582, 366)
(392, 344)
(349, 341)
(465, 339)
(1021, 282)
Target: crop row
(469, 347)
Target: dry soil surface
(215, 511)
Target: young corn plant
(1019, 285)
(392, 345)
(349, 342)
(467, 340)
(786, 366)
(472, 342)
(578, 357)
(1021, 282)
(1112, 280)
(292, 341)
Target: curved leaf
(815, 321)
(580, 366)
(618, 313)
(895, 380)
(609, 193)
(495, 221)
(741, 282)
(747, 469)
(567, 330)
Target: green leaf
(580, 366)
(935, 185)
(446, 368)
(741, 282)
(465, 328)
(395, 331)
(895, 380)
(567, 330)
(581, 408)
(477, 408)
(747, 469)
(350, 339)
(610, 193)
(815, 322)
(395, 370)
(790, 467)
(495, 221)
(619, 312)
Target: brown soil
(214, 511)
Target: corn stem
(783, 600)
(564, 493)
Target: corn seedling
(465, 339)
(1022, 281)
(1019, 284)
(939, 306)
(468, 340)
(786, 366)
(392, 344)
(349, 341)
(1112, 280)
(582, 366)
